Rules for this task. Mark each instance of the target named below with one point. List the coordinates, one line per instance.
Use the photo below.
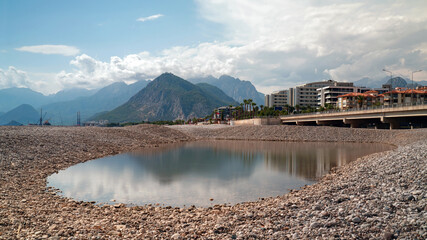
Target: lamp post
(413, 87)
(391, 86)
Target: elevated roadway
(392, 117)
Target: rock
(356, 220)
(120, 227)
(324, 214)
(53, 227)
(176, 236)
(315, 225)
(388, 236)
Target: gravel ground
(380, 196)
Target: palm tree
(246, 102)
(256, 110)
(253, 110)
(250, 104)
(360, 100)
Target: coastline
(369, 198)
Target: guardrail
(358, 109)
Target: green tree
(253, 108)
(297, 108)
(360, 100)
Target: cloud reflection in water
(192, 173)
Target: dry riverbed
(380, 196)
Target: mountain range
(23, 114)
(62, 107)
(105, 99)
(11, 98)
(233, 87)
(396, 82)
(169, 97)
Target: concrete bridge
(392, 117)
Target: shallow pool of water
(205, 173)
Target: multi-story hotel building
(406, 96)
(315, 94)
(306, 95)
(277, 99)
(329, 94)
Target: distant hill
(11, 98)
(13, 123)
(233, 87)
(369, 82)
(105, 99)
(24, 114)
(71, 94)
(396, 81)
(169, 97)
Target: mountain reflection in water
(193, 173)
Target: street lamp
(413, 86)
(413, 77)
(391, 86)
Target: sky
(50, 45)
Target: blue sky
(98, 28)
(50, 45)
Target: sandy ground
(380, 196)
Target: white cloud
(347, 41)
(42, 82)
(51, 49)
(279, 43)
(13, 77)
(149, 18)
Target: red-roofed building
(359, 100)
(406, 96)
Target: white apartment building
(329, 94)
(277, 99)
(306, 95)
(314, 94)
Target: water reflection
(193, 173)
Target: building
(406, 96)
(306, 95)
(316, 94)
(277, 99)
(100, 123)
(224, 113)
(360, 100)
(329, 94)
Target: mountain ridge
(169, 97)
(233, 87)
(398, 82)
(105, 99)
(24, 114)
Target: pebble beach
(379, 196)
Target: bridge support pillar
(394, 123)
(353, 123)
